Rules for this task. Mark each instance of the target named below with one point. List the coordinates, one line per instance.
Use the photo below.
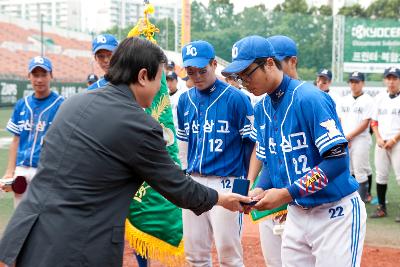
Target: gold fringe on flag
(151, 247)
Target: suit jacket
(99, 150)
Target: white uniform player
(386, 126)
(214, 121)
(355, 113)
(324, 81)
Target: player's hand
(280, 218)
(389, 144)
(231, 201)
(3, 187)
(380, 142)
(256, 192)
(273, 198)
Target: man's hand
(389, 144)
(231, 201)
(380, 142)
(273, 198)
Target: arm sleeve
(154, 165)
(181, 133)
(335, 162)
(246, 119)
(256, 136)
(264, 181)
(323, 122)
(12, 125)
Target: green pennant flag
(257, 215)
(154, 225)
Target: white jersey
(387, 113)
(336, 98)
(182, 85)
(353, 111)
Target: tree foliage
(310, 27)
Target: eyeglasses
(200, 71)
(245, 78)
(103, 56)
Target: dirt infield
(372, 256)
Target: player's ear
(142, 77)
(293, 61)
(269, 62)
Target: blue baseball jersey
(30, 121)
(100, 83)
(292, 135)
(217, 124)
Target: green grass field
(380, 232)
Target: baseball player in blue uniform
(306, 162)
(30, 121)
(214, 121)
(103, 47)
(286, 52)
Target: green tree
(293, 6)
(166, 37)
(355, 10)
(198, 17)
(220, 14)
(389, 9)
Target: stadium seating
(72, 59)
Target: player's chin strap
(333, 165)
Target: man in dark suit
(99, 150)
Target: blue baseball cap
(197, 54)
(325, 73)
(392, 71)
(104, 41)
(357, 76)
(283, 46)
(41, 62)
(246, 50)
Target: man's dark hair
(262, 60)
(132, 55)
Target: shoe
(368, 198)
(374, 201)
(380, 212)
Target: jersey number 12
(215, 145)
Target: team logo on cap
(235, 51)
(355, 74)
(325, 71)
(191, 50)
(38, 60)
(392, 69)
(101, 39)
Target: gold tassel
(153, 248)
